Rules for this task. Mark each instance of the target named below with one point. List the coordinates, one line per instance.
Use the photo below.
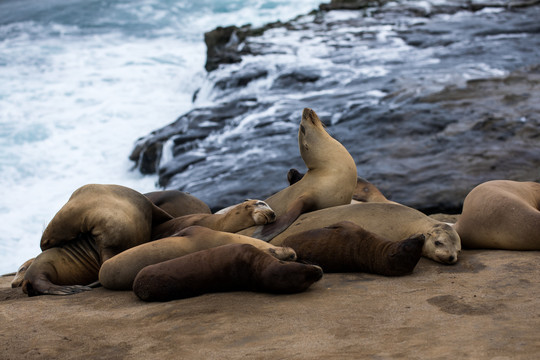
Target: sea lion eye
(438, 243)
(302, 129)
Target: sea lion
(391, 221)
(363, 192)
(329, 181)
(239, 217)
(501, 214)
(178, 203)
(97, 222)
(21, 271)
(347, 247)
(118, 272)
(230, 267)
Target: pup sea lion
(97, 222)
(239, 217)
(391, 221)
(178, 203)
(501, 214)
(329, 181)
(230, 267)
(347, 247)
(118, 272)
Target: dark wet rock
(429, 98)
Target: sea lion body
(347, 247)
(178, 203)
(363, 192)
(239, 217)
(390, 221)
(329, 181)
(501, 214)
(97, 219)
(229, 267)
(118, 272)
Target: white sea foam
(74, 98)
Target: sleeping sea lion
(178, 203)
(391, 221)
(347, 247)
(229, 267)
(501, 214)
(239, 217)
(97, 222)
(118, 272)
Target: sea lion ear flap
(296, 208)
(293, 176)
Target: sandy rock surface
(485, 307)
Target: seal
(347, 247)
(178, 203)
(229, 267)
(391, 221)
(21, 271)
(363, 192)
(329, 181)
(501, 214)
(118, 272)
(97, 222)
(239, 217)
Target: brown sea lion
(97, 222)
(363, 192)
(118, 272)
(178, 203)
(391, 221)
(239, 217)
(501, 214)
(21, 271)
(230, 267)
(329, 181)
(347, 247)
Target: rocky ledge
(485, 307)
(430, 98)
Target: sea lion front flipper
(269, 231)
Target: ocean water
(81, 81)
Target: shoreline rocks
(430, 99)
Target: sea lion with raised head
(178, 203)
(391, 221)
(329, 181)
(363, 192)
(231, 267)
(239, 217)
(347, 247)
(97, 222)
(501, 214)
(118, 272)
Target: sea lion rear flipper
(95, 284)
(42, 286)
(269, 231)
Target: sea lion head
(261, 212)
(442, 244)
(313, 140)
(19, 276)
